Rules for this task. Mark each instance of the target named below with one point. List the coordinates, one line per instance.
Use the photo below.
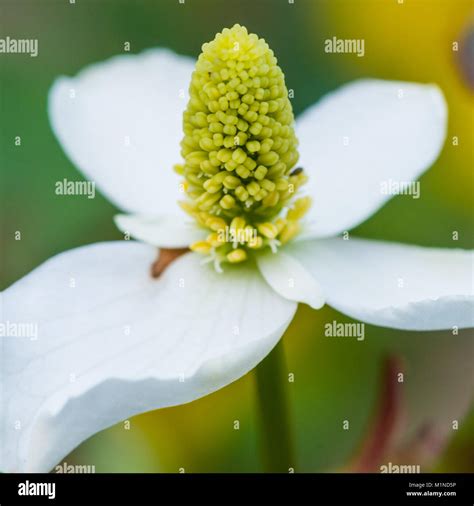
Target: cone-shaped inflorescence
(240, 149)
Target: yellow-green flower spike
(240, 149)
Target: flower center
(240, 149)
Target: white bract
(114, 342)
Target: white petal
(120, 121)
(290, 279)
(112, 342)
(166, 231)
(358, 139)
(392, 285)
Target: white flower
(114, 342)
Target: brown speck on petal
(296, 171)
(165, 257)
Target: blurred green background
(335, 380)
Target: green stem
(272, 380)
